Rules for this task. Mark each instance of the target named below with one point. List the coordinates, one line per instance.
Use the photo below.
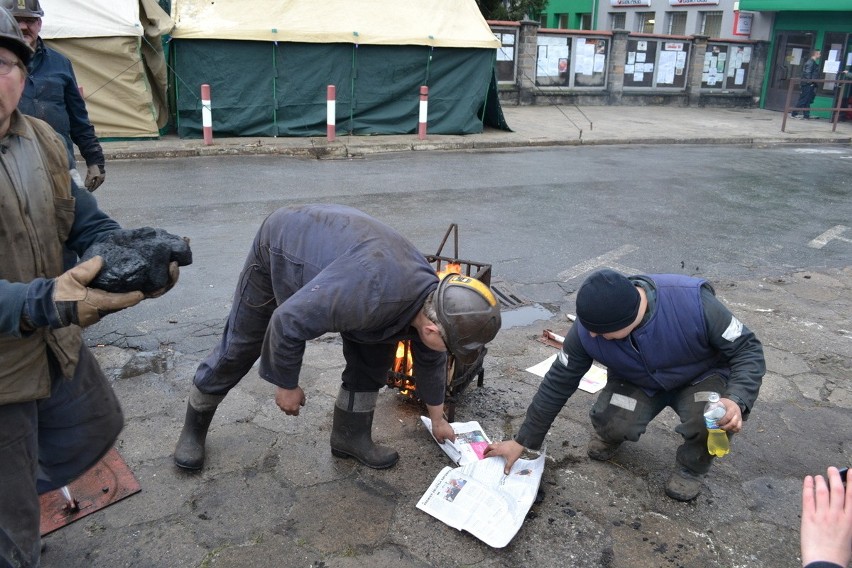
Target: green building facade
(800, 27)
(570, 15)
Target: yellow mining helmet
(469, 313)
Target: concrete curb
(331, 150)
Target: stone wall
(525, 91)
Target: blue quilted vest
(671, 347)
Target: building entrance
(792, 49)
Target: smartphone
(843, 472)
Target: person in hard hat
(666, 341)
(58, 412)
(52, 94)
(330, 268)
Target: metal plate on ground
(108, 481)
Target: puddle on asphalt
(524, 315)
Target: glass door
(792, 49)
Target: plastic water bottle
(717, 439)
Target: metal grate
(507, 296)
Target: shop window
(645, 22)
(676, 23)
(617, 21)
(711, 24)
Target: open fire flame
(403, 365)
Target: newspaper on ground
(482, 500)
(470, 443)
(593, 381)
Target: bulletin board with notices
(656, 64)
(726, 66)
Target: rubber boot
(200, 408)
(601, 450)
(351, 430)
(684, 484)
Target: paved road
(766, 225)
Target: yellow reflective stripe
(475, 284)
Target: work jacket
(51, 93)
(336, 269)
(40, 210)
(810, 71)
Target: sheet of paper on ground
(480, 499)
(593, 381)
(470, 443)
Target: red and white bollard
(206, 115)
(424, 104)
(331, 96)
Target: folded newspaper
(470, 442)
(478, 497)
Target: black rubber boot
(601, 450)
(200, 408)
(684, 484)
(351, 430)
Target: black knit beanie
(607, 301)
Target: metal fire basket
(401, 375)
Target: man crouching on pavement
(330, 268)
(666, 341)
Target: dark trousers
(623, 411)
(46, 444)
(806, 97)
(242, 339)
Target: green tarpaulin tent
(269, 63)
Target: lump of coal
(138, 259)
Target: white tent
(116, 49)
(437, 23)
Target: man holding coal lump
(58, 413)
(330, 268)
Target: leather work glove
(95, 176)
(77, 304)
(174, 273)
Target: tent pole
(352, 89)
(274, 90)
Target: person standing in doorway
(807, 94)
